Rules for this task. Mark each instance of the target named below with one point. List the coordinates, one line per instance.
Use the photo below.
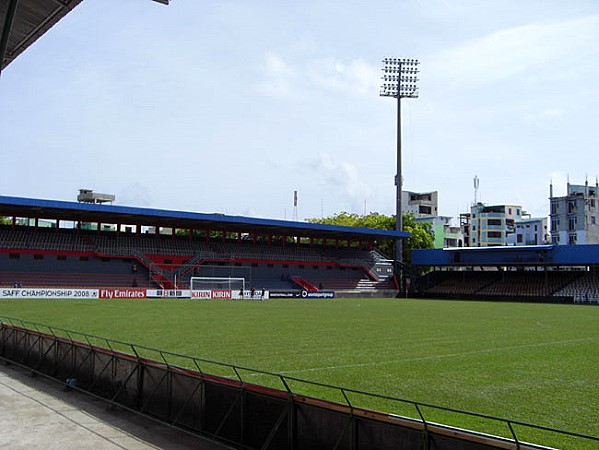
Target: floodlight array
(399, 78)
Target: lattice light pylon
(400, 78)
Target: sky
(231, 106)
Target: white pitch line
(424, 358)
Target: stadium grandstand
(45, 243)
(544, 273)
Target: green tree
(421, 233)
(421, 236)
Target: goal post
(209, 283)
(217, 287)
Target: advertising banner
(284, 294)
(222, 293)
(49, 293)
(219, 294)
(122, 293)
(319, 294)
(168, 293)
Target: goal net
(217, 287)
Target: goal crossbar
(230, 283)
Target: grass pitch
(533, 363)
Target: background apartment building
(421, 204)
(490, 226)
(575, 217)
(530, 231)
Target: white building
(575, 217)
(421, 204)
(530, 231)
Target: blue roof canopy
(103, 213)
(554, 255)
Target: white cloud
(283, 79)
(280, 78)
(341, 177)
(506, 53)
(135, 194)
(276, 66)
(355, 77)
(544, 115)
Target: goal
(217, 284)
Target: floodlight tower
(399, 81)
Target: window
(83, 258)
(494, 234)
(572, 239)
(519, 238)
(14, 256)
(494, 222)
(592, 220)
(571, 206)
(572, 224)
(61, 258)
(555, 224)
(38, 257)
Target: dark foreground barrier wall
(245, 415)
